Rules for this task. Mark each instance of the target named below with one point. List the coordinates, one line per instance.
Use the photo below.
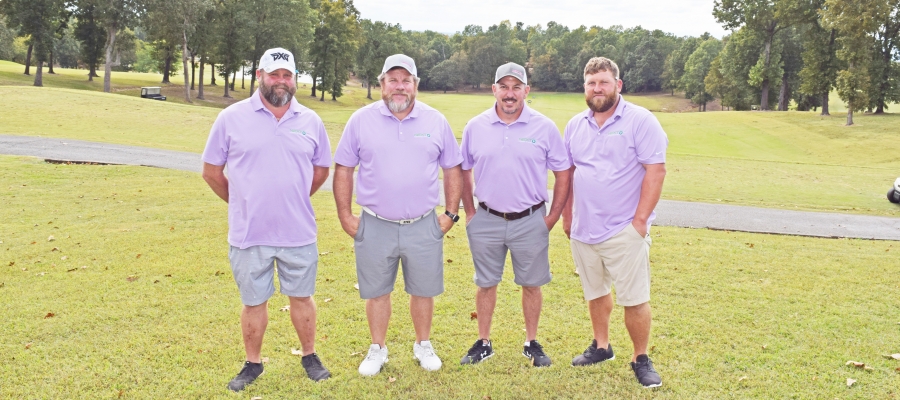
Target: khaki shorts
(622, 260)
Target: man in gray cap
(399, 144)
(510, 147)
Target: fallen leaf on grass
(84, 267)
(286, 308)
(156, 281)
(51, 238)
(858, 364)
(121, 391)
(55, 249)
(49, 315)
(33, 242)
(327, 300)
(64, 258)
(296, 352)
(356, 353)
(486, 397)
(168, 275)
(218, 273)
(894, 356)
(764, 346)
(356, 286)
(392, 379)
(139, 255)
(850, 382)
(256, 398)
(72, 270)
(742, 378)
(324, 253)
(449, 261)
(11, 263)
(750, 245)
(473, 315)
(172, 228)
(131, 278)
(27, 346)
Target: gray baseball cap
(402, 61)
(511, 69)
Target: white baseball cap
(277, 58)
(399, 60)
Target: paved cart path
(669, 213)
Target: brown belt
(514, 215)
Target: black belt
(514, 215)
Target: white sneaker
(373, 362)
(425, 354)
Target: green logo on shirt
(616, 133)
(298, 131)
(425, 135)
(527, 140)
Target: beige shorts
(623, 260)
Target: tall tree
(92, 36)
(673, 68)
(820, 62)
(114, 16)
(334, 46)
(38, 19)
(232, 31)
(883, 69)
(278, 23)
(856, 22)
(697, 68)
(378, 41)
(766, 18)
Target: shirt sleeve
(322, 154)
(558, 158)
(347, 153)
(216, 150)
(468, 162)
(450, 154)
(650, 141)
(567, 141)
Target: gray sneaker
(594, 355)
(535, 352)
(644, 372)
(248, 374)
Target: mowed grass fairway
(791, 160)
(133, 298)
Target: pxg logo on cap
(277, 58)
(511, 69)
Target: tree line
(778, 52)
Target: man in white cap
(400, 144)
(277, 155)
(510, 148)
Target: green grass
(144, 306)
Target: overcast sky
(680, 17)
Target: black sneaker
(314, 368)
(535, 352)
(594, 355)
(479, 352)
(644, 372)
(248, 374)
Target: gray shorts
(381, 246)
(527, 240)
(254, 271)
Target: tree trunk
(314, 78)
(38, 74)
(227, 96)
(764, 94)
(28, 59)
(825, 104)
(783, 94)
(167, 68)
(233, 80)
(200, 85)
(50, 64)
(243, 75)
(92, 73)
(184, 60)
(193, 72)
(849, 116)
(253, 78)
(369, 88)
(212, 74)
(107, 68)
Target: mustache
(509, 99)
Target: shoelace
(477, 350)
(536, 350)
(428, 351)
(373, 355)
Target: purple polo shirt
(398, 160)
(270, 171)
(511, 161)
(609, 168)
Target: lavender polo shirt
(511, 161)
(398, 160)
(609, 168)
(270, 171)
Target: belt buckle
(405, 221)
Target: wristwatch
(453, 217)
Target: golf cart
(893, 195)
(152, 92)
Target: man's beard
(398, 107)
(603, 104)
(271, 94)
